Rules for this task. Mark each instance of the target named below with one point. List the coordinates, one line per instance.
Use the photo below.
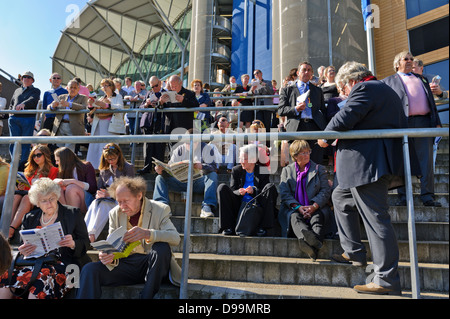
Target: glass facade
(161, 57)
(417, 7)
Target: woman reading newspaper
(51, 281)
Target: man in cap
(24, 98)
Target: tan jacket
(156, 217)
(76, 120)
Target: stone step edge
(275, 259)
(225, 289)
(295, 260)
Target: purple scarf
(300, 189)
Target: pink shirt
(417, 98)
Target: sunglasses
(109, 148)
(38, 155)
(26, 77)
(56, 78)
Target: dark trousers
(424, 150)
(149, 269)
(230, 205)
(370, 202)
(266, 118)
(317, 151)
(315, 223)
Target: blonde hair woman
(105, 124)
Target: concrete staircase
(274, 267)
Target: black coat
(238, 180)
(72, 222)
(370, 105)
(183, 119)
(288, 101)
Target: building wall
(323, 32)
(392, 35)
(255, 50)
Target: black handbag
(20, 261)
(250, 216)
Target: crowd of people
(84, 195)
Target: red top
(52, 175)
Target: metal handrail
(365, 134)
(164, 138)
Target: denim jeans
(206, 184)
(21, 126)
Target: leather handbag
(250, 216)
(37, 263)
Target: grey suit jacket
(396, 83)
(317, 188)
(288, 101)
(76, 120)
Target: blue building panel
(253, 51)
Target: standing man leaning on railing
(366, 170)
(24, 98)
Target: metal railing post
(135, 129)
(415, 283)
(5, 220)
(187, 224)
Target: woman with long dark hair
(76, 178)
(112, 166)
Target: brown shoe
(372, 288)
(345, 260)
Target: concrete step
(221, 289)
(178, 205)
(427, 251)
(301, 271)
(426, 231)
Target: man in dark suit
(153, 123)
(366, 169)
(185, 98)
(266, 88)
(419, 106)
(308, 115)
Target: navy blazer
(396, 83)
(238, 179)
(72, 222)
(370, 105)
(288, 101)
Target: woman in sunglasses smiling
(39, 165)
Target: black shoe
(343, 259)
(145, 170)
(401, 202)
(261, 232)
(432, 203)
(228, 232)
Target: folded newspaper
(179, 170)
(45, 239)
(115, 245)
(21, 179)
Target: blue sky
(30, 34)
